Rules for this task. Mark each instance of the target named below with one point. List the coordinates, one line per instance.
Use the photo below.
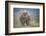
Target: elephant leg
(27, 22)
(23, 23)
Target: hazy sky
(34, 12)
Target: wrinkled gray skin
(25, 18)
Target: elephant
(25, 18)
